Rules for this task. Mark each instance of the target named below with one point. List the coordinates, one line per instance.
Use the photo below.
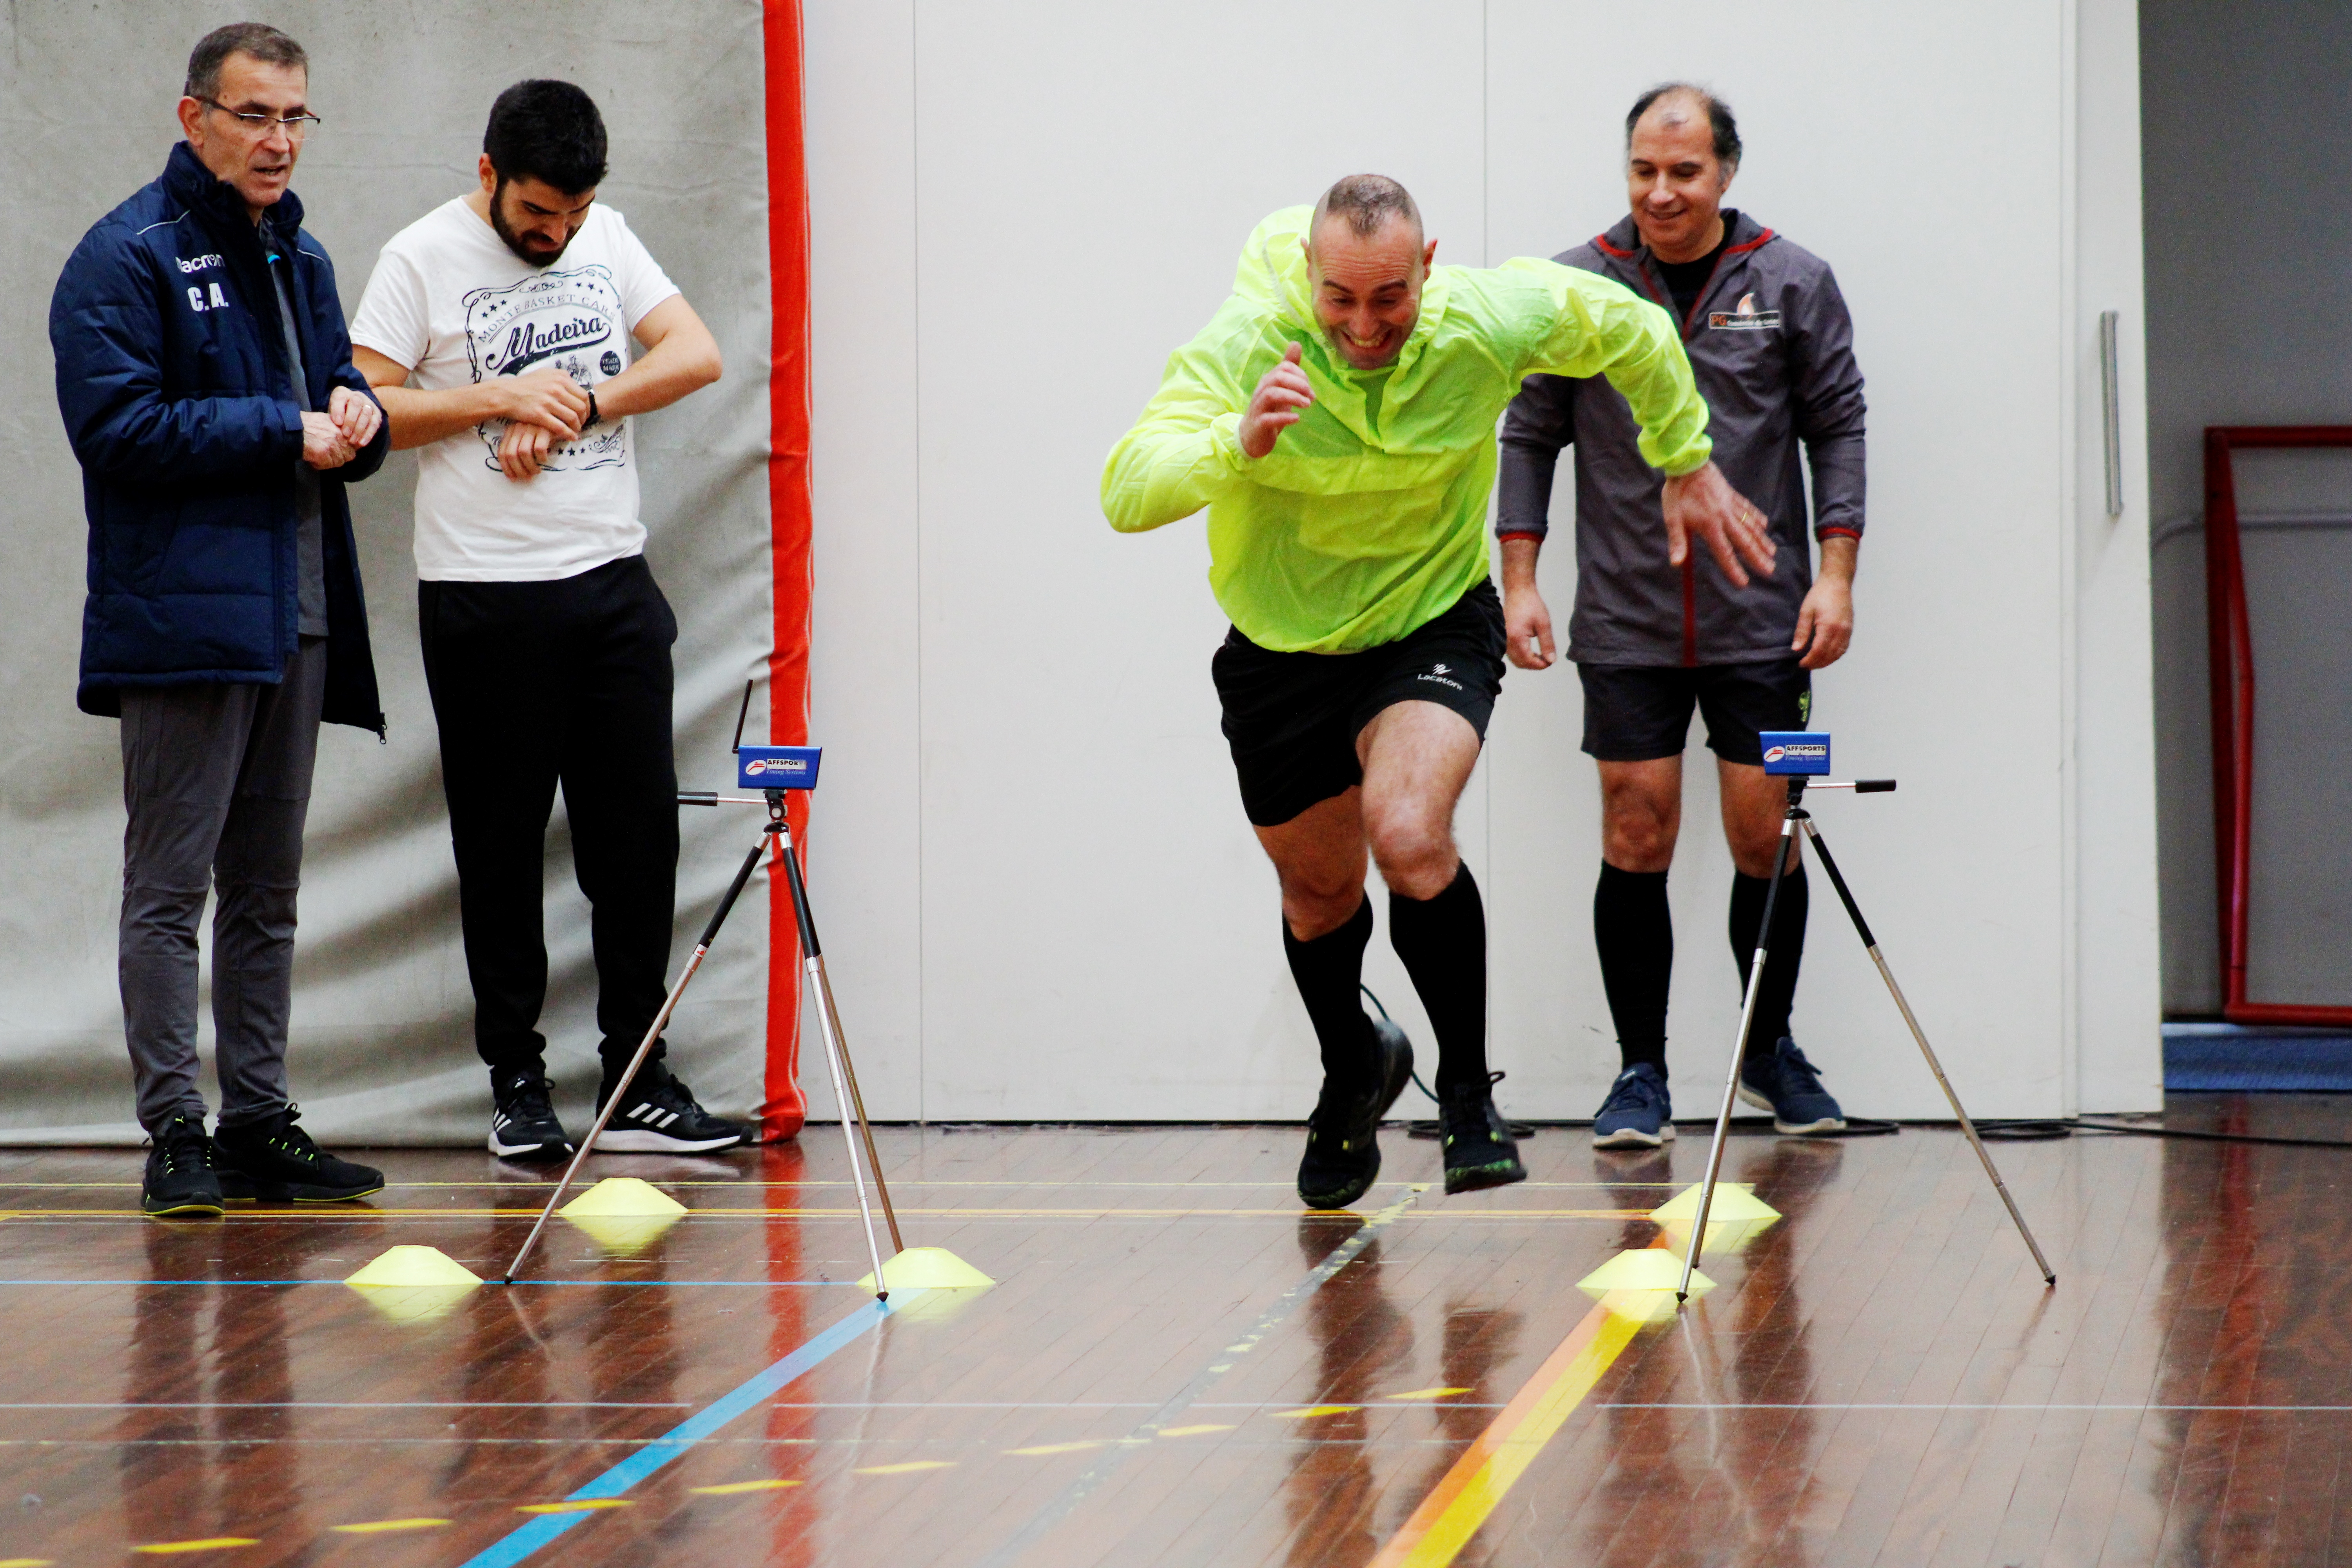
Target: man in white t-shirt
(497, 330)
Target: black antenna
(744, 713)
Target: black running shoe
(1479, 1150)
(659, 1116)
(523, 1125)
(180, 1177)
(1343, 1147)
(273, 1161)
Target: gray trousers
(216, 778)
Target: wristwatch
(593, 417)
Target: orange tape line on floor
(1449, 1515)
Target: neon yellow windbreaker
(1368, 519)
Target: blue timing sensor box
(777, 767)
(1795, 751)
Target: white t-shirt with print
(452, 303)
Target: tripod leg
(1782, 861)
(1870, 944)
(853, 1113)
(645, 1049)
(864, 1127)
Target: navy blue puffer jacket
(172, 377)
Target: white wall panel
(1020, 211)
(1098, 926)
(866, 824)
(1959, 600)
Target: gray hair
(1368, 202)
(1719, 119)
(260, 39)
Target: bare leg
(1753, 803)
(1319, 858)
(1642, 814)
(1417, 757)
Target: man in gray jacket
(1772, 349)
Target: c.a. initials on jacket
(173, 381)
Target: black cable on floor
(1432, 1128)
(2064, 1127)
(2012, 1129)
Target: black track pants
(536, 684)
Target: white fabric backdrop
(382, 1045)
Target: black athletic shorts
(1638, 713)
(1292, 718)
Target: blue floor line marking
(625, 1284)
(520, 1543)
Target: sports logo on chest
(551, 321)
(550, 318)
(1744, 318)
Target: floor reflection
(1748, 1346)
(226, 1459)
(1361, 1339)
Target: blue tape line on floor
(624, 1284)
(521, 1544)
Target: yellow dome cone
(1734, 1201)
(622, 1197)
(1642, 1269)
(929, 1268)
(410, 1266)
(413, 1284)
(626, 1236)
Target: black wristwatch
(593, 417)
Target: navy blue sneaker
(1784, 1083)
(1639, 1112)
(1343, 1146)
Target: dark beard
(514, 241)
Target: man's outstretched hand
(1702, 504)
(1282, 392)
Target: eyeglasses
(295, 126)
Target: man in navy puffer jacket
(205, 379)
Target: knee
(1416, 857)
(1316, 903)
(1636, 835)
(1754, 854)
(161, 919)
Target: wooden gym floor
(1178, 1366)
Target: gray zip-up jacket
(1771, 347)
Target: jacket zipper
(1690, 561)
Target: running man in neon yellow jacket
(1336, 418)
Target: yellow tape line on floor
(1449, 1516)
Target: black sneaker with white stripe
(659, 1116)
(523, 1127)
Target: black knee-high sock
(1779, 992)
(1635, 931)
(1442, 942)
(1329, 970)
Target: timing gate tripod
(773, 771)
(1811, 749)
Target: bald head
(1682, 148)
(1367, 203)
(1366, 263)
(1678, 104)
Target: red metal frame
(2230, 649)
